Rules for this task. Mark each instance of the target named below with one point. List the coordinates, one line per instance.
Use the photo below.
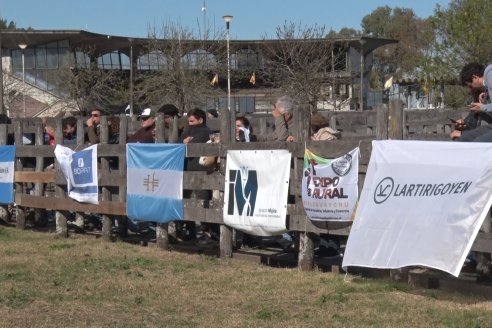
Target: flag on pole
(252, 80)
(7, 157)
(80, 171)
(215, 80)
(155, 181)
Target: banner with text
(422, 204)
(256, 190)
(80, 170)
(330, 186)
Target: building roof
(103, 43)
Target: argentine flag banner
(80, 170)
(155, 181)
(7, 157)
(422, 204)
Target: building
(39, 67)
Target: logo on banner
(82, 174)
(342, 165)
(387, 188)
(243, 188)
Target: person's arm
(92, 135)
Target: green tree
(399, 60)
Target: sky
(252, 19)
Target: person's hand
(290, 139)
(49, 130)
(474, 107)
(89, 122)
(148, 122)
(455, 134)
(460, 125)
(187, 140)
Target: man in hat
(170, 112)
(144, 134)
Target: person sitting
(320, 129)
(144, 134)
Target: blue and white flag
(155, 181)
(7, 157)
(80, 170)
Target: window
(199, 59)
(153, 60)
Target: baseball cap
(147, 112)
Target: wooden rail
(40, 185)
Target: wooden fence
(40, 187)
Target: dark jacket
(200, 134)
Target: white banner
(330, 186)
(422, 204)
(80, 170)
(256, 190)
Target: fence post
(395, 132)
(19, 187)
(60, 217)
(395, 124)
(161, 229)
(382, 122)
(306, 251)
(226, 137)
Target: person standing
(93, 126)
(283, 116)
(144, 134)
(198, 132)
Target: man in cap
(170, 112)
(144, 134)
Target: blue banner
(7, 158)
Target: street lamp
(227, 19)
(23, 46)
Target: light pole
(227, 19)
(23, 46)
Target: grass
(86, 282)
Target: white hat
(148, 112)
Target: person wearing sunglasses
(147, 124)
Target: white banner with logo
(80, 170)
(330, 186)
(422, 204)
(256, 190)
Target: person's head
(95, 114)
(147, 118)
(242, 122)
(169, 111)
(318, 121)
(212, 113)
(196, 116)
(472, 75)
(69, 126)
(285, 107)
